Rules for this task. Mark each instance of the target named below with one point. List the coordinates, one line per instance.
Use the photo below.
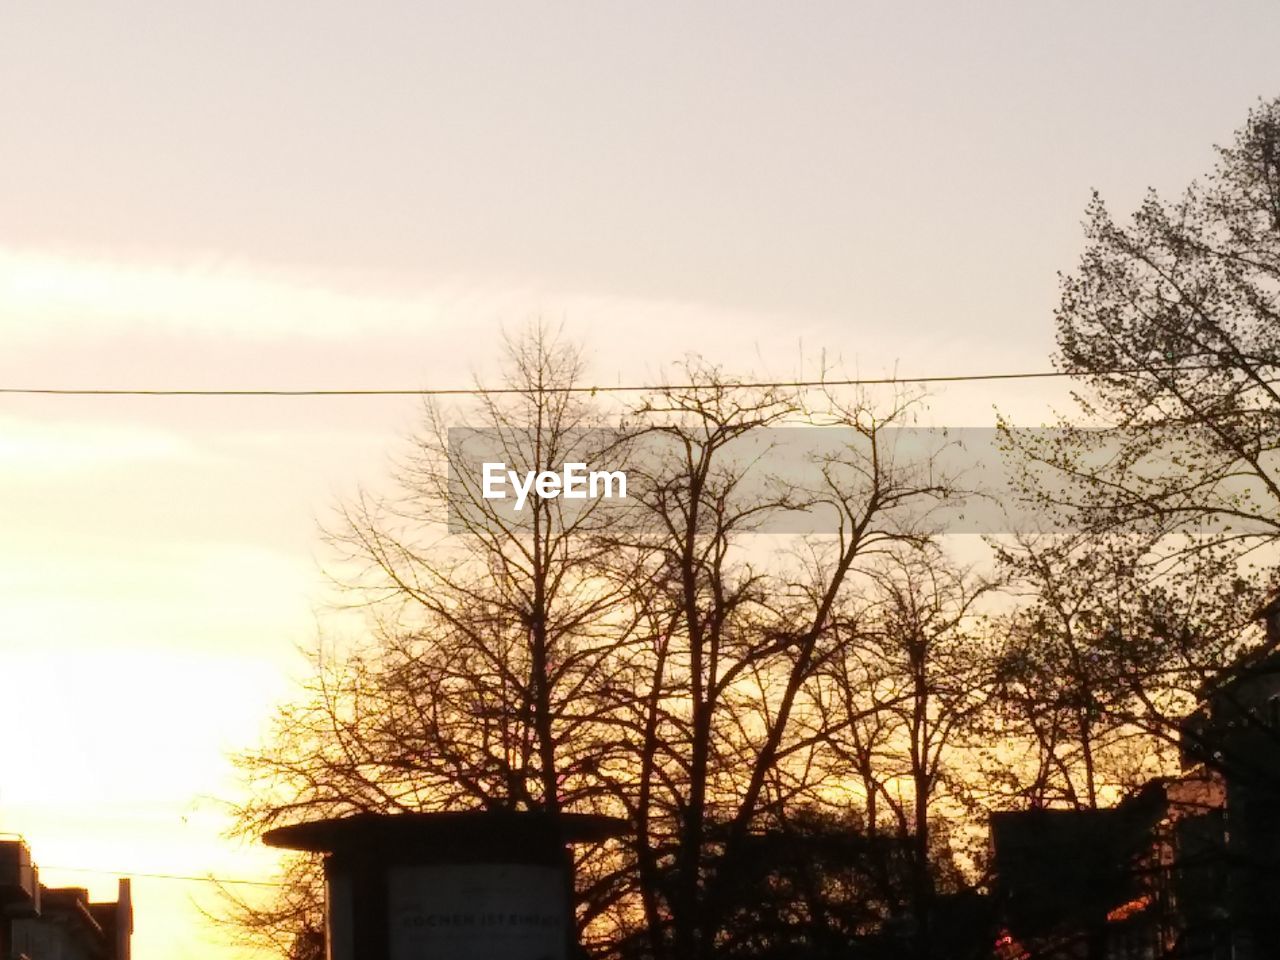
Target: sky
(295, 195)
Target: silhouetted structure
(1236, 734)
(19, 889)
(1136, 881)
(1185, 868)
(475, 883)
(43, 923)
(70, 926)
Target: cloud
(45, 295)
(44, 446)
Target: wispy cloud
(44, 294)
(47, 296)
(42, 446)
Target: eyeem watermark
(574, 482)
(801, 473)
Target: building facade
(1185, 868)
(57, 923)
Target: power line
(186, 878)
(619, 388)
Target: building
(19, 889)
(1184, 868)
(44, 923)
(1234, 735)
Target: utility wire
(165, 876)
(621, 388)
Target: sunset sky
(295, 195)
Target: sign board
(478, 911)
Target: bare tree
(901, 703)
(728, 736)
(654, 662)
(486, 681)
(287, 922)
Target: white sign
(477, 912)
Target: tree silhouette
(650, 662)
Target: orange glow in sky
(299, 195)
